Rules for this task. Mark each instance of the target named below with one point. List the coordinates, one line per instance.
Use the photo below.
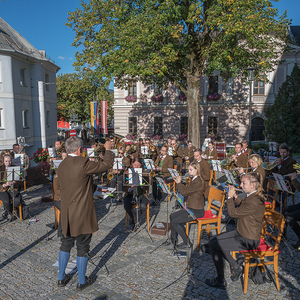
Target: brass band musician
(211, 152)
(177, 154)
(245, 148)
(189, 152)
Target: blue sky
(42, 23)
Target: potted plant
(182, 97)
(213, 136)
(131, 98)
(157, 98)
(182, 138)
(213, 97)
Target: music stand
(216, 165)
(281, 186)
(173, 172)
(52, 152)
(13, 174)
(90, 152)
(118, 165)
(170, 151)
(144, 150)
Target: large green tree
(76, 90)
(176, 41)
(283, 122)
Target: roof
(295, 33)
(11, 40)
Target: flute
(239, 168)
(239, 190)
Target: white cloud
(61, 57)
(71, 58)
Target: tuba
(117, 140)
(60, 149)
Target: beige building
(227, 116)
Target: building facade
(223, 106)
(28, 103)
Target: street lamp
(250, 79)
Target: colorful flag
(94, 110)
(104, 117)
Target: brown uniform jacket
(194, 192)
(250, 213)
(287, 166)
(248, 152)
(75, 176)
(126, 162)
(214, 154)
(205, 172)
(166, 163)
(296, 184)
(189, 152)
(178, 156)
(242, 161)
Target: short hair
(256, 158)
(58, 141)
(164, 147)
(189, 142)
(14, 145)
(93, 143)
(211, 142)
(140, 139)
(198, 150)
(238, 144)
(244, 142)
(282, 145)
(63, 151)
(285, 147)
(137, 159)
(147, 139)
(170, 137)
(72, 144)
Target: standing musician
(205, 170)
(245, 148)
(239, 159)
(211, 153)
(195, 202)
(130, 201)
(78, 213)
(118, 174)
(177, 155)
(152, 150)
(139, 145)
(189, 152)
(250, 213)
(163, 162)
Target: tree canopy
(177, 41)
(283, 122)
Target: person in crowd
(245, 149)
(211, 153)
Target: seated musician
(189, 152)
(5, 192)
(169, 143)
(163, 162)
(205, 170)
(118, 174)
(250, 213)
(3, 153)
(152, 150)
(239, 159)
(195, 203)
(177, 155)
(292, 212)
(211, 153)
(130, 197)
(255, 162)
(245, 148)
(139, 145)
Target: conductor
(78, 213)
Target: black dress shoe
(64, 281)
(236, 273)
(213, 282)
(88, 281)
(183, 246)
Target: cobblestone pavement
(128, 265)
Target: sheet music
(13, 173)
(216, 165)
(118, 163)
(135, 176)
(173, 172)
(184, 207)
(114, 151)
(280, 182)
(149, 163)
(144, 150)
(52, 152)
(21, 157)
(229, 177)
(90, 152)
(56, 163)
(170, 151)
(163, 186)
(16, 162)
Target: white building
(28, 103)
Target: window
(48, 118)
(132, 89)
(1, 118)
(213, 85)
(47, 82)
(132, 124)
(212, 125)
(22, 76)
(184, 125)
(25, 118)
(259, 87)
(257, 128)
(158, 125)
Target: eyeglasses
(121, 152)
(173, 144)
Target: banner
(104, 117)
(97, 118)
(94, 109)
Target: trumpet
(239, 190)
(234, 169)
(188, 181)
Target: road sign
(73, 132)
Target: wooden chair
(57, 214)
(210, 218)
(265, 249)
(147, 216)
(271, 195)
(211, 177)
(19, 208)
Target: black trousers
(113, 182)
(221, 245)
(82, 244)
(156, 191)
(6, 197)
(181, 217)
(292, 216)
(129, 200)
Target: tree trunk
(192, 95)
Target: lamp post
(250, 79)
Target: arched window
(257, 129)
